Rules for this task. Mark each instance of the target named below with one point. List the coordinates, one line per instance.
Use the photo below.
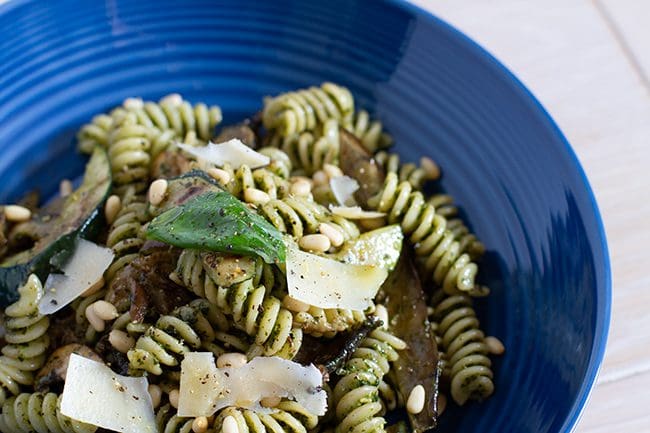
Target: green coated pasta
(188, 328)
(465, 351)
(252, 307)
(39, 412)
(434, 243)
(287, 417)
(304, 110)
(370, 132)
(356, 395)
(309, 151)
(27, 340)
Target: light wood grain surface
(588, 62)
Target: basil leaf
(218, 221)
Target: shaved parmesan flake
(201, 384)
(327, 283)
(343, 188)
(96, 395)
(84, 269)
(205, 389)
(355, 212)
(232, 152)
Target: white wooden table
(588, 62)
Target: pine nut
(335, 236)
(157, 191)
(294, 305)
(173, 99)
(65, 188)
(415, 402)
(133, 103)
(120, 340)
(221, 176)
(320, 178)
(382, 313)
(112, 208)
(301, 188)
(256, 196)
(270, 401)
(17, 214)
(430, 168)
(494, 345)
(97, 323)
(442, 403)
(200, 424)
(230, 425)
(105, 310)
(332, 170)
(156, 394)
(173, 398)
(234, 360)
(317, 243)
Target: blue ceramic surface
(438, 93)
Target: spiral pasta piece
(469, 243)
(303, 110)
(125, 236)
(409, 172)
(287, 417)
(465, 351)
(168, 421)
(261, 179)
(370, 132)
(189, 327)
(356, 395)
(128, 151)
(309, 151)
(325, 322)
(173, 119)
(38, 412)
(434, 243)
(299, 216)
(26, 337)
(280, 162)
(95, 133)
(253, 308)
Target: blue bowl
(514, 174)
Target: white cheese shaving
(205, 389)
(201, 383)
(96, 395)
(85, 268)
(327, 283)
(343, 188)
(355, 212)
(232, 152)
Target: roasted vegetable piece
(52, 376)
(404, 299)
(54, 228)
(357, 162)
(183, 188)
(241, 131)
(332, 353)
(143, 286)
(218, 221)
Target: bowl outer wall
(516, 178)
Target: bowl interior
(506, 163)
